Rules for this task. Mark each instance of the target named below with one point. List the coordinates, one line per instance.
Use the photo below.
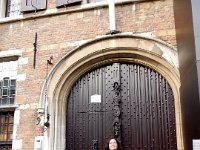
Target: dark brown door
(136, 106)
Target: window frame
(3, 8)
(5, 13)
(6, 128)
(8, 83)
(7, 92)
(60, 3)
(34, 5)
(11, 56)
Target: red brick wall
(155, 16)
(54, 30)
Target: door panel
(145, 105)
(90, 121)
(148, 117)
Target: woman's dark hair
(118, 144)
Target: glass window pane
(5, 82)
(2, 119)
(12, 82)
(6, 128)
(4, 101)
(12, 92)
(10, 128)
(11, 119)
(4, 136)
(5, 92)
(2, 128)
(1, 137)
(10, 136)
(12, 100)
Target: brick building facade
(72, 39)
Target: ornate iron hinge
(116, 103)
(117, 111)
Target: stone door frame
(153, 53)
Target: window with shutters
(94, 1)
(6, 130)
(60, 3)
(33, 5)
(9, 8)
(65, 3)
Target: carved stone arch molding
(153, 53)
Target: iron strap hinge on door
(117, 102)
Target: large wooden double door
(130, 102)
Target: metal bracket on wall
(39, 115)
(35, 50)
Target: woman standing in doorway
(113, 144)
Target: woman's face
(113, 144)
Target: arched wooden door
(132, 103)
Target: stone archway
(127, 48)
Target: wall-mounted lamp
(46, 124)
(40, 114)
(50, 61)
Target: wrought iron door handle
(94, 145)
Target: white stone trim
(11, 53)
(21, 77)
(2, 8)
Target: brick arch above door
(153, 53)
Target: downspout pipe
(112, 20)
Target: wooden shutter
(66, 2)
(33, 5)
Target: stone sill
(56, 11)
(11, 53)
(8, 107)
